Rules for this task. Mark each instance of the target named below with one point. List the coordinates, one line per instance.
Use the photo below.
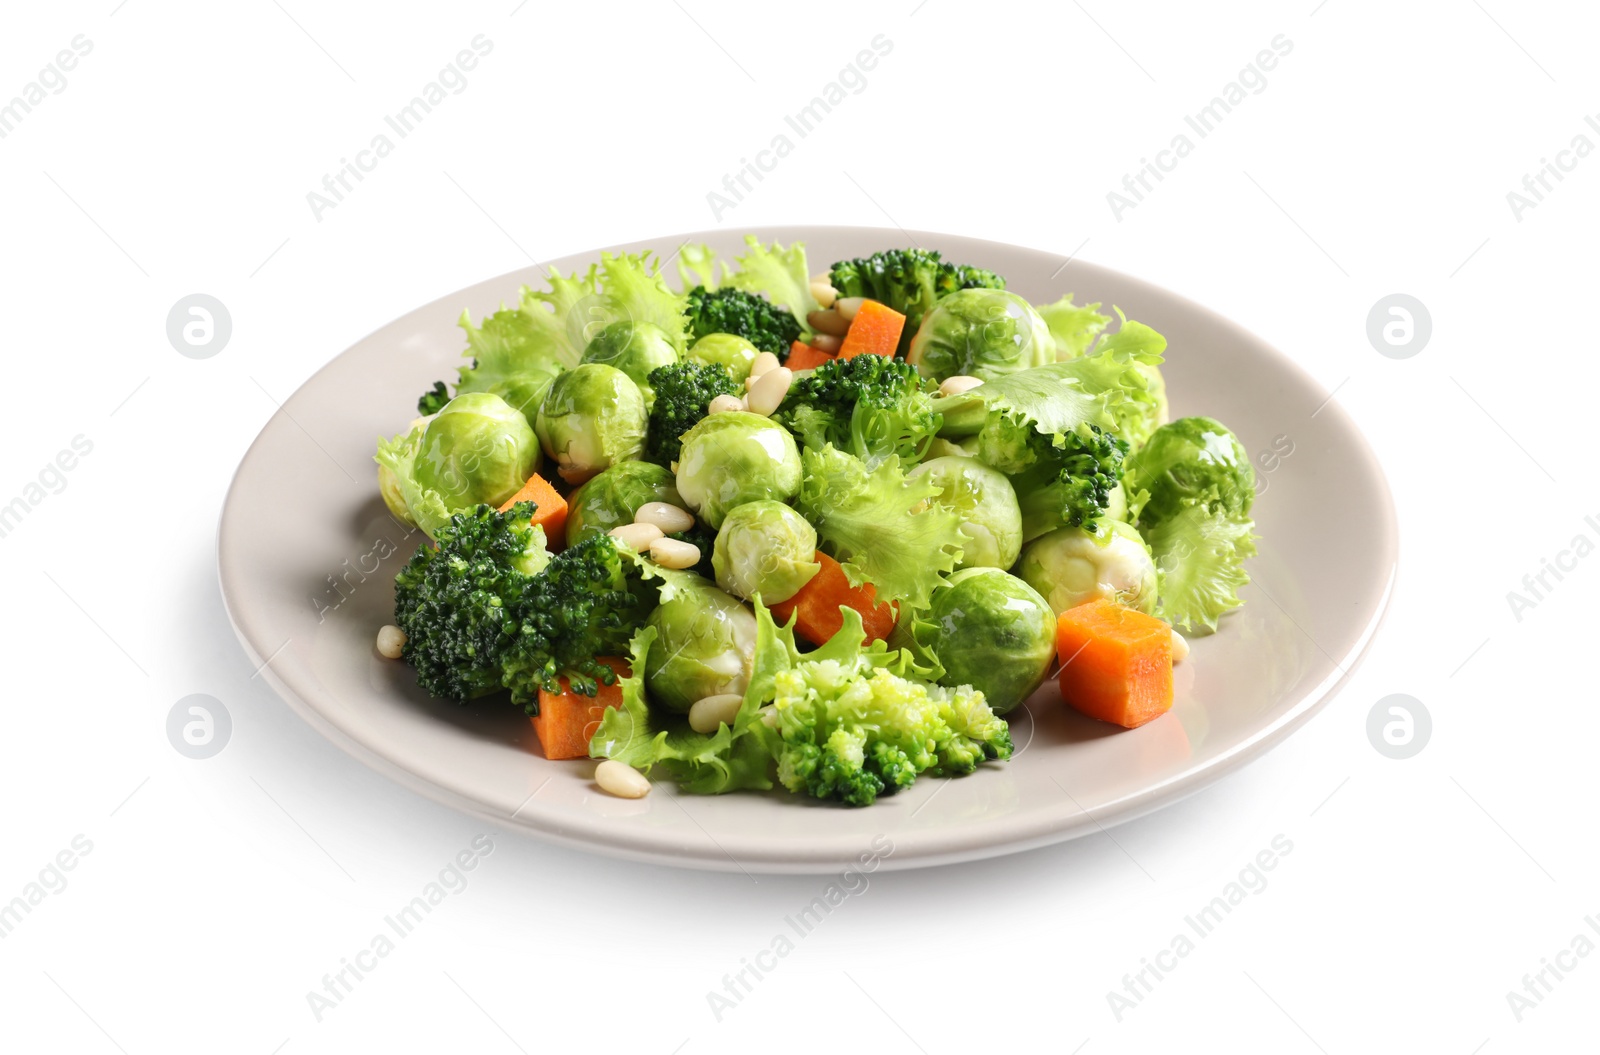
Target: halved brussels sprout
(982, 333)
(612, 498)
(592, 418)
(635, 348)
(733, 458)
(705, 644)
(991, 519)
(1071, 566)
(765, 548)
(727, 350)
(990, 630)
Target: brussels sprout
(980, 333)
(477, 449)
(765, 548)
(733, 458)
(393, 496)
(1191, 458)
(526, 391)
(635, 348)
(592, 418)
(991, 519)
(990, 630)
(705, 644)
(611, 498)
(729, 351)
(1071, 566)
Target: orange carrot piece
(1116, 663)
(552, 511)
(874, 331)
(566, 722)
(804, 357)
(819, 601)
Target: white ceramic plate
(307, 556)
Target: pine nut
(666, 516)
(622, 780)
(847, 307)
(707, 714)
(769, 391)
(827, 342)
(823, 291)
(724, 404)
(954, 386)
(828, 322)
(670, 553)
(764, 362)
(1180, 648)
(637, 537)
(391, 639)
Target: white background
(1377, 160)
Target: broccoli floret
(910, 281)
(1067, 485)
(585, 604)
(433, 400)
(849, 730)
(458, 602)
(684, 391)
(756, 319)
(868, 405)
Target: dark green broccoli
(458, 603)
(433, 400)
(585, 604)
(684, 392)
(910, 281)
(868, 405)
(756, 319)
(1070, 485)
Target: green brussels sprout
(990, 630)
(733, 458)
(990, 517)
(765, 548)
(592, 418)
(1191, 459)
(1071, 566)
(393, 496)
(705, 644)
(527, 390)
(984, 333)
(477, 449)
(635, 348)
(727, 350)
(611, 498)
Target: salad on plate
(819, 532)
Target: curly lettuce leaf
(776, 273)
(633, 289)
(881, 526)
(426, 507)
(1073, 326)
(698, 266)
(1200, 553)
